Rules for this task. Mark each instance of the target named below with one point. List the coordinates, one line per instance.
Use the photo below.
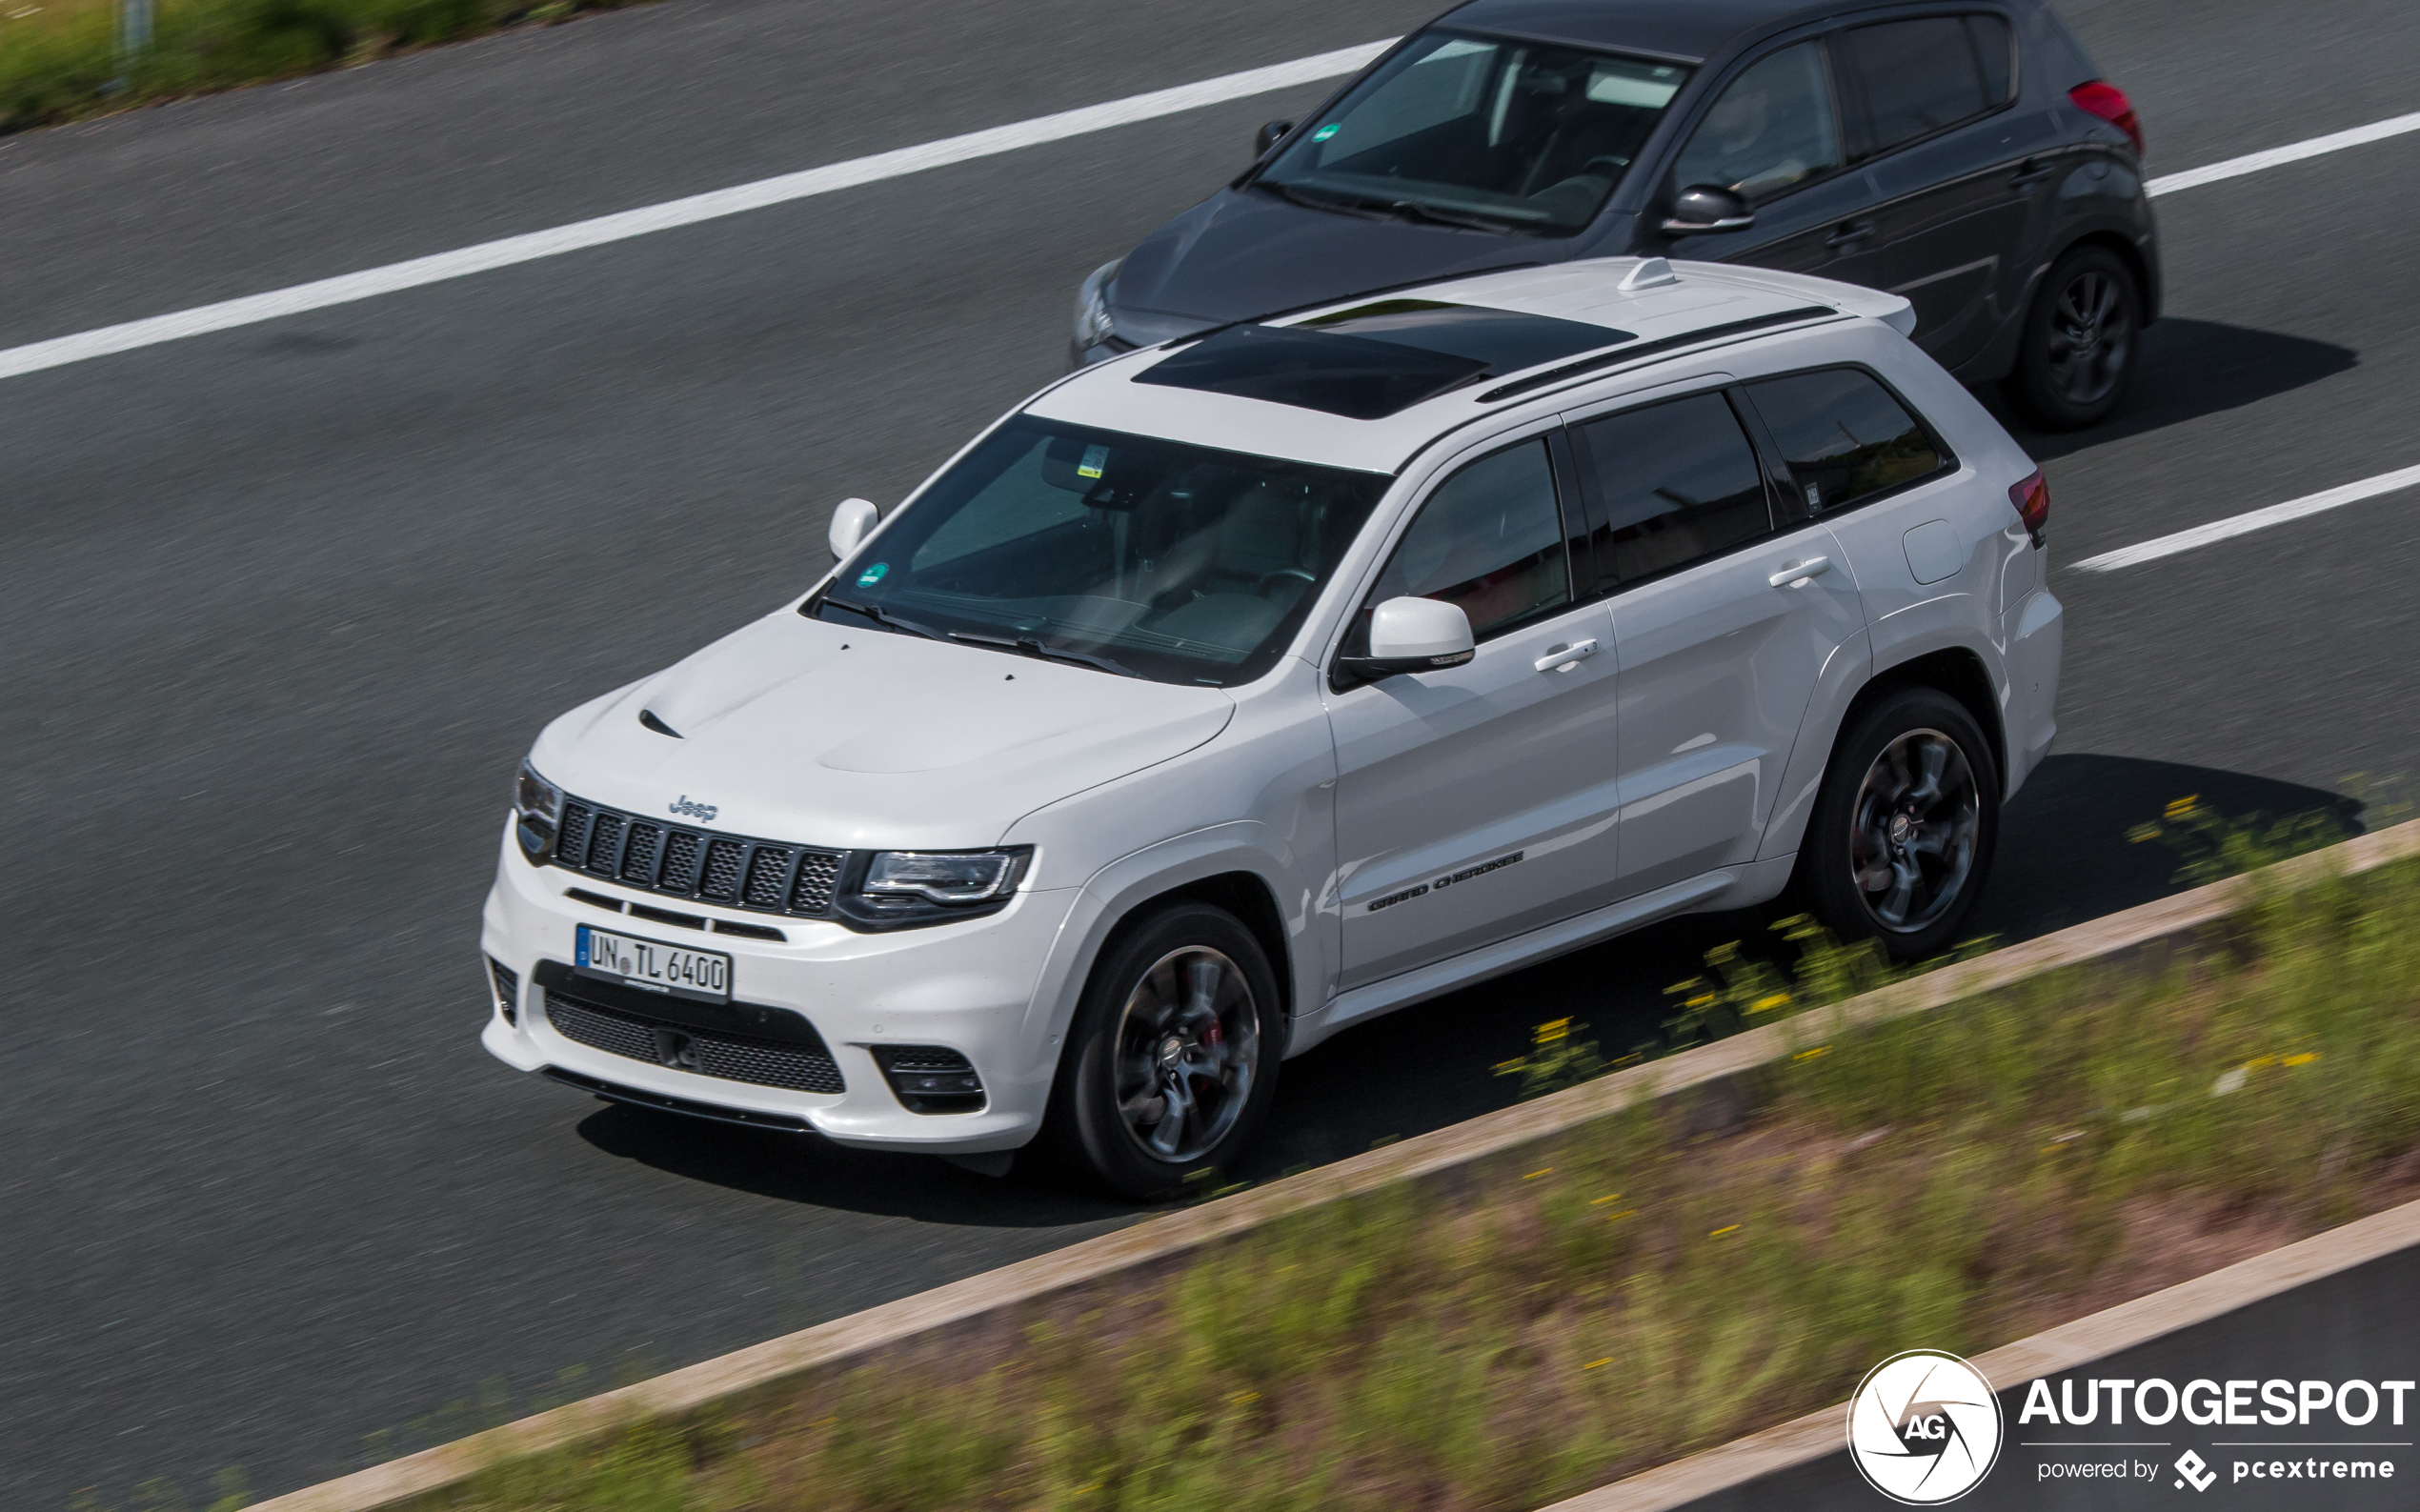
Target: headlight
(1092, 325)
(537, 807)
(952, 878)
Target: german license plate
(653, 965)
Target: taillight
(2109, 103)
(2033, 500)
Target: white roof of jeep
(1640, 301)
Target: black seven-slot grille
(766, 875)
(761, 1063)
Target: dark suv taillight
(2033, 500)
(2109, 103)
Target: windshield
(1502, 134)
(1146, 558)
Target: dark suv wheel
(1173, 1056)
(2081, 341)
(1904, 829)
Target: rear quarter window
(1845, 439)
(1918, 77)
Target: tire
(1885, 860)
(1139, 1026)
(2082, 339)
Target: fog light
(504, 986)
(929, 1078)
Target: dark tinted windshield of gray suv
(1153, 558)
(1498, 132)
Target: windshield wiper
(884, 617)
(1414, 210)
(1028, 645)
(1365, 208)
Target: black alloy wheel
(1172, 1057)
(2082, 338)
(1904, 830)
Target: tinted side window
(1489, 538)
(1992, 49)
(1917, 77)
(1772, 128)
(1844, 437)
(1673, 483)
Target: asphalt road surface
(282, 606)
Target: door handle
(2032, 172)
(1853, 230)
(1569, 656)
(1800, 572)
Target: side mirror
(1703, 208)
(850, 523)
(1266, 137)
(1412, 634)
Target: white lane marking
(2259, 519)
(2291, 153)
(371, 282)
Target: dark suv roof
(1685, 31)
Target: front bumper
(968, 987)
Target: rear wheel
(1904, 830)
(2081, 341)
(1173, 1055)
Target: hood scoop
(647, 717)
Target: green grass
(1953, 1181)
(61, 60)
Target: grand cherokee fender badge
(1442, 883)
(1481, 870)
(700, 812)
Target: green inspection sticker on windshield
(1326, 132)
(873, 574)
(1096, 458)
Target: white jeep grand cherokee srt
(1236, 689)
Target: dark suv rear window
(1844, 437)
(1916, 77)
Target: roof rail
(1629, 353)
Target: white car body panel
(1718, 667)
(1672, 771)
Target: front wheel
(2081, 341)
(1172, 1053)
(1904, 829)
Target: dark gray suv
(1968, 157)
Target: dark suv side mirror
(1703, 208)
(1267, 135)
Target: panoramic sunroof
(1375, 360)
(1506, 340)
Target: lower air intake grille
(759, 1062)
(767, 877)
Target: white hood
(792, 729)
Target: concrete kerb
(732, 1379)
(2066, 1347)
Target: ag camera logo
(1924, 1428)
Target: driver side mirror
(1412, 634)
(1703, 207)
(850, 523)
(1267, 136)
